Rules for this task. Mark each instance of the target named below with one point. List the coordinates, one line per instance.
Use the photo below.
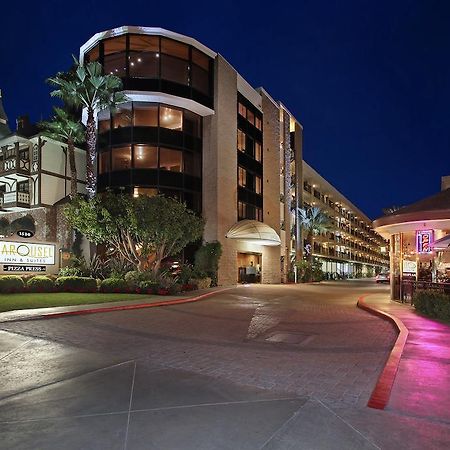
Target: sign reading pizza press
(27, 253)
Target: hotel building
(194, 129)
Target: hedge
(40, 283)
(432, 303)
(114, 285)
(148, 287)
(11, 283)
(76, 284)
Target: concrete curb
(382, 391)
(82, 312)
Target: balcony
(15, 200)
(16, 165)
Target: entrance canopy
(442, 244)
(254, 232)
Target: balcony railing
(15, 164)
(14, 198)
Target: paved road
(260, 367)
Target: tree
(142, 230)
(64, 128)
(313, 221)
(86, 87)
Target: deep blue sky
(369, 80)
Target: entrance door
(249, 267)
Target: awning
(442, 244)
(254, 232)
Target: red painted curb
(382, 391)
(82, 312)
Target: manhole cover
(288, 337)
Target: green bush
(432, 303)
(201, 283)
(11, 283)
(70, 272)
(148, 287)
(134, 278)
(76, 284)
(40, 283)
(114, 285)
(207, 259)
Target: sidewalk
(145, 301)
(422, 384)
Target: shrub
(148, 287)
(69, 272)
(201, 283)
(207, 259)
(186, 273)
(432, 303)
(76, 284)
(175, 289)
(40, 283)
(11, 283)
(114, 285)
(134, 278)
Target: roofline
(153, 31)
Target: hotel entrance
(249, 267)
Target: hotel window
(258, 185)
(121, 158)
(93, 54)
(192, 164)
(249, 146)
(259, 214)
(143, 56)
(174, 61)
(114, 61)
(242, 211)
(241, 141)
(242, 110)
(242, 177)
(251, 117)
(145, 157)
(258, 123)
(104, 125)
(258, 151)
(122, 118)
(200, 79)
(149, 192)
(170, 118)
(145, 115)
(171, 160)
(103, 165)
(192, 124)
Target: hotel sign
(424, 239)
(27, 253)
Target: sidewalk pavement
(38, 313)
(422, 385)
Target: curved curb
(82, 312)
(382, 391)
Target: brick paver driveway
(273, 367)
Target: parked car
(382, 278)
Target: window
(250, 117)
(174, 69)
(200, 79)
(242, 110)
(192, 164)
(104, 165)
(170, 159)
(171, 118)
(192, 124)
(258, 151)
(242, 210)
(145, 157)
(241, 141)
(104, 125)
(258, 185)
(249, 146)
(143, 56)
(93, 54)
(145, 115)
(121, 158)
(114, 61)
(174, 48)
(200, 59)
(149, 192)
(122, 117)
(258, 123)
(242, 177)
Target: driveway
(255, 367)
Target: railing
(14, 164)
(409, 287)
(15, 197)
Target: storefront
(413, 231)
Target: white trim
(248, 91)
(144, 30)
(261, 89)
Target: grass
(9, 302)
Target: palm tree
(313, 221)
(86, 87)
(64, 128)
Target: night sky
(369, 80)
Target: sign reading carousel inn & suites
(26, 256)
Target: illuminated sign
(26, 253)
(409, 267)
(12, 268)
(424, 240)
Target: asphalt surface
(256, 367)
